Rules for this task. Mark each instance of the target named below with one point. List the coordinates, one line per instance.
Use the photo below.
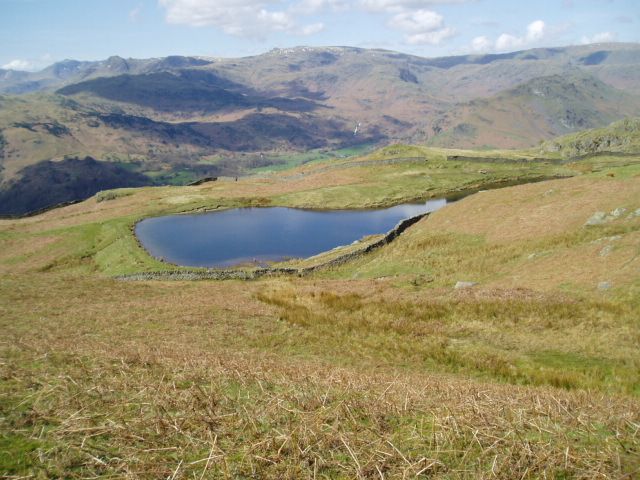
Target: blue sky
(36, 33)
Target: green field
(291, 160)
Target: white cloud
(18, 65)
(536, 32)
(430, 38)
(258, 18)
(312, 29)
(508, 42)
(421, 27)
(308, 7)
(416, 22)
(481, 44)
(601, 37)
(134, 14)
(244, 18)
(401, 5)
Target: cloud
(312, 29)
(18, 65)
(602, 37)
(258, 18)
(535, 33)
(243, 18)
(508, 42)
(421, 27)
(481, 44)
(431, 38)
(402, 5)
(418, 21)
(308, 7)
(134, 14)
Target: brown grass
(535, 210)
(122, 385)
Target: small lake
(260, 235)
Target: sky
(36, 33)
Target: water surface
(259, 235)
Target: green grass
(417, 180)
(174, 177)
(18, 454)
(287, 161)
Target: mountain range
(176, 118)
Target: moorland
(376, 368)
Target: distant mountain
(177, 114)
(73, 71)
(533, 111)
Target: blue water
(260, 235)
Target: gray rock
(618, 212)
(461, 285)
(606, 250)
(604, 285)
(597, 218)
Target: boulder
(618, 212)
(597, 218)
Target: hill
(541, 107)
(379, 367)
(47, 184)
(619, 137)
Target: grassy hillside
(379, 368)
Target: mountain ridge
(595, 54)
